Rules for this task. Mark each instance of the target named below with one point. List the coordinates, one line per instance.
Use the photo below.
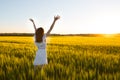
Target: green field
(69, 58)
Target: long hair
(39, 34)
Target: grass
(69, 57)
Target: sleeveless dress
(41, 55)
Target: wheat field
(69, 58)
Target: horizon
(68, 34)
(77, 16)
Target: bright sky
(77, 16)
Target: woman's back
(41, 45)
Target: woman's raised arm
(51, 27)
(33, 23)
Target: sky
(77, 16)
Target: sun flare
(109, 35)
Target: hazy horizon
(54, 33)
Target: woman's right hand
(56, 17)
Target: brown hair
(39, 34)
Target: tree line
(32, 34)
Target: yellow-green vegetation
(69, 58)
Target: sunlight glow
(109, 35)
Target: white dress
(41, 55)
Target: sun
(109, 35)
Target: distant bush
(16, 34)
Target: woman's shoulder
(44, 35)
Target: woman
(40, 41)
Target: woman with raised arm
(40, 41)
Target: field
(69, 58)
